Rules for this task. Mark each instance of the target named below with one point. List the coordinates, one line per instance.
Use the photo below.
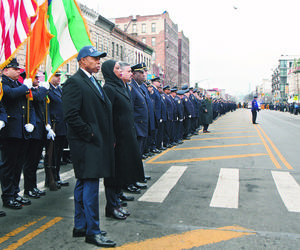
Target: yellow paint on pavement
(188, 240)
(19, 230)
(222, 138)
(276, 150)
(234, 132)
(31, 235)
(209, 158)
(268, 150)
(218, 146)
(157, 156)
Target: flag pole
(27, 68)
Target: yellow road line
(19, 230)
(276, 150)
(219, 146)
(157, 156)
(268, 150)
(219, 138)
(235, 132)
(209, 158)
(36, 232)
(190, 239)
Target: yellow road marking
(268, 150)
(19, 230)
(276, 150)
(209, 158)
(219, 146)
(157, 156)
(235, 132)
(218, 138)
(188, 240)
(36, 232)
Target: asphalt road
(235, 188)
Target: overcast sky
(233, 44)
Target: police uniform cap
(90, 51)
(255, 96)
(195, 90)
(58, 73)
(13, 64)
(184, 87)
(137, 67)
(186, 90)
(167, 87)
(180, 92)
(173, 89)
(155, 79)
(190, 88)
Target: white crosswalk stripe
(160, 189)
(226, 193)
(288, 189)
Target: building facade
(170, 59)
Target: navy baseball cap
(90, 51)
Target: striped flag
(14, 26)
(39, 41)
(70, 32)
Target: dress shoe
(155, 151)
(12, 204)
(40, 192)
(23, 201)
(206, 131)
(140, 185)
(114, 213)
(149, 154)
(63, 183)
(144, 157)
(123, 211)
(123, 203)
(147, 177)
(31, 194)
(132, 189)
(124, 197)
(255, 123)
(169, 146)
(99, 240)
(162, 148)
(2, 214)
(81, 232)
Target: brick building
(170, 59)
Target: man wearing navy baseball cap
(88, 113)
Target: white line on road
(226, 194)
(160, 189)
(288, 189)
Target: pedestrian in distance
(88, 113)
(254, 109)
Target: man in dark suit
(15, 135)
(88, 113)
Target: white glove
(28, 82)
(161, 120)
(2, 124)
(181, 120)
(51, 135)
(190, 116)
(29, 127)
(48, 127)
(44, 84)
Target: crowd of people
(109, 130)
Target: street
(234, 188)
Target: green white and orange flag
(70, 31)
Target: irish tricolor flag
(70, 31)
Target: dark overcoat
(128, 161)
(89, 127)
(206, 117)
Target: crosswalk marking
(226, 194)
(288, 189)
(160, 189)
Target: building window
(153, 27)
(153, 41)
(134, 28)
(125, 27)
(153, 56)
(113, 49)
(121, 52)
(117, 50)
(68, 67)
(144, 40)
(143, 28)
(97, 44)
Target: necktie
(97, 85)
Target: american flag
(15, 19)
